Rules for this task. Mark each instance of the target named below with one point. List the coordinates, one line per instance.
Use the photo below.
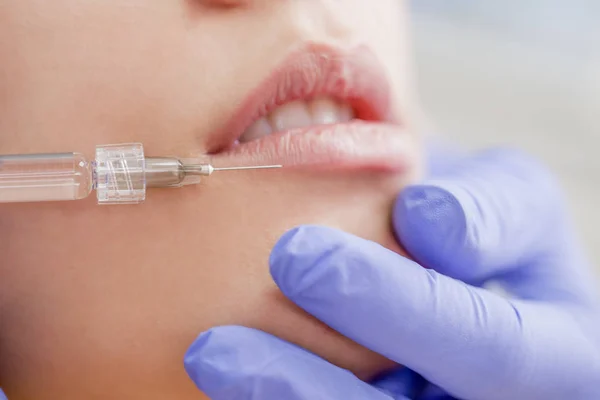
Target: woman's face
(102, 302)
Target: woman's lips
(357, 145)
(354, 77)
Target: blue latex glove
(497, 216)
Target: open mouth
(299, 114)
(322, 108)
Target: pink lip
(357, 145)
(376, 142)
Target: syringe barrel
(120, 174)
(44, 177)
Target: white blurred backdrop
(524, 73)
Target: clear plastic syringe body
(45, 177)
(119, 174)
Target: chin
(114, 321)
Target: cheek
(103, 302)
(244, 240)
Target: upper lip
(352, 76)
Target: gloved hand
(495, 217)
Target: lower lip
(352, 146)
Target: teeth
(299, 114)
(260, 128)
(290, 116)
(346, 113)
(325, 111)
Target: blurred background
(524, 73)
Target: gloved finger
(451, 333)
(433, 392)
(241, 363)
(2, 395)
(401, 382)
(486, 215)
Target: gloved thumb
(237, 363)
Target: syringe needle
(207, 169)
(243, 168)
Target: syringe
(120, 174)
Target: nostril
(227, 3)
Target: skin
(102, 302)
